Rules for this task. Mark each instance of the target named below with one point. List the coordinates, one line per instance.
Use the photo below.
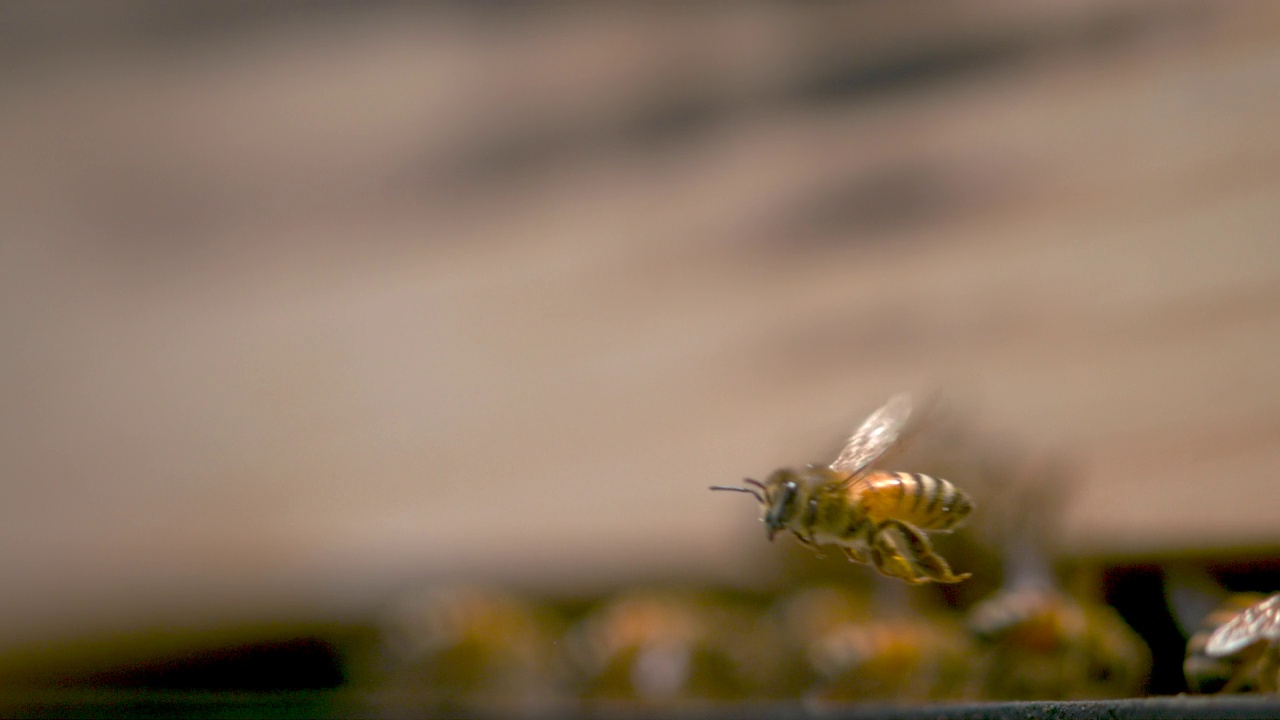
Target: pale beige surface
(265, 353)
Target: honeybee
(1038, 643)
(875, 517)
(890, 659)
(883, 644)
(669, 647)
(467, 645)
(1238, 647)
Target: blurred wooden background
(307, 301)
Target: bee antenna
(730, 488)
(751, 481)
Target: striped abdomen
(924, 501)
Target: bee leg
(920, 551)
(808, 542)
(888, 559)
(856, 556)
(1270, 668)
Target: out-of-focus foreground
(309, 303)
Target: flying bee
(875, 517)
(1238, 649)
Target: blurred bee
(467, 645)
(842, 646)
(806, 616)
(903, 659)
(875, 517)
(1039, 643)
(669, 647)
(1237, 648)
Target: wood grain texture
(330, 305)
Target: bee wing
(1259, 622)
(874, 437)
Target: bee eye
(789, 491)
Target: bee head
(781, 500)
(778, 497)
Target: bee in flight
(875, 517)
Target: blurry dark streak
(505, 156)
(125, 704)
(669, 120)
(1112, 32)
(301, 664)
(673, 122)
(162, 24)
(344, 705)
(39, 31)
(961, 58)
(867, 208)
(859, 81)
(166, 24)
(513, 12)
(519, 153)
(1261, 574)
(1137, 593)
(897, 198)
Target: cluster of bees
(860, 639)
(823, 643)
